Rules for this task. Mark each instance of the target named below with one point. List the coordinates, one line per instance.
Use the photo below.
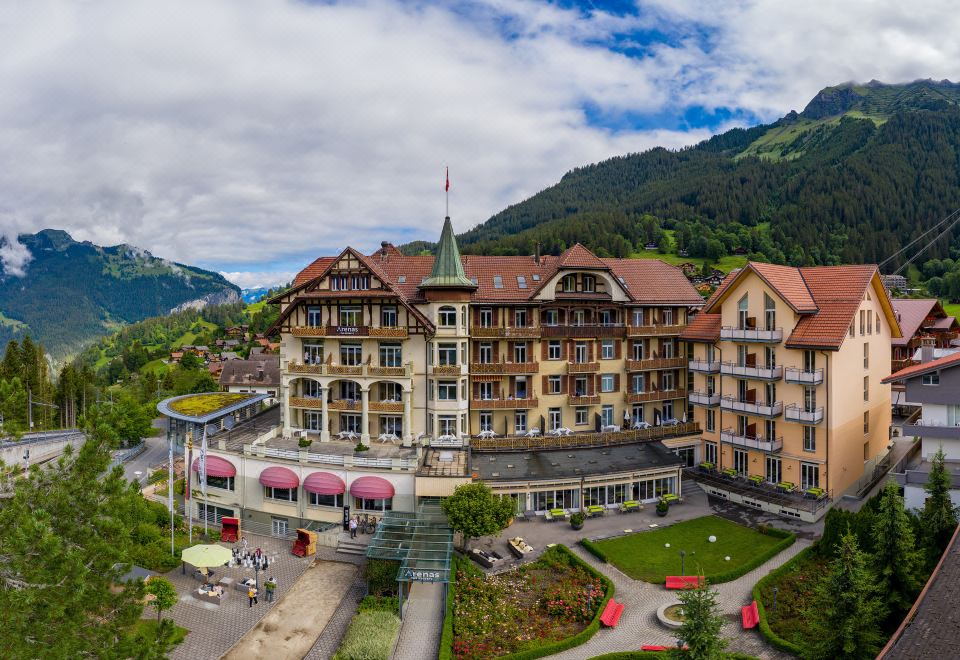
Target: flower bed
(786, 628)
(536, 610)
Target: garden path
(422, 623)
(639, 623)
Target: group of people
(357, 523)
(270, 586)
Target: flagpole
(447, 190)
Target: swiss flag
(447, 188)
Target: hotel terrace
(781, 356)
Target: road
(155, 454)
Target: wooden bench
(750, 615)
(653, 647)
(611, 613)
(683, 581)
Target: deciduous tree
(164, 595)
(474, 511)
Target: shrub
(303, 443)
(592, 548)
(768, 581)
(360, 447)
(662, 506)
(577, 518)
(371, 636)
(380, 604)
(381, 577)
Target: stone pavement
(639, 623)
(329, 640)
(422, 623)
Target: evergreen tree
(846, 612)
(702, 624)
(939, 517)
(895, 557)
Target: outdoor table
(595, 510)
(630, 505)
(785, 487)
(532, 433)
(640, 426)
(755, 479)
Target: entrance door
(280, 527)
(350, 422)
(687, 455)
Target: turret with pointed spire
(447, 268)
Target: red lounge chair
(611, 613)
(683, 581)
(750, 615)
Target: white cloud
(255, 279)
(243, 134)
(14, 256)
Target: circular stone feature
(712, 538)
(670, 615)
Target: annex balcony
(751, 371)
(349, 331)
(752, 334)
(504, 404)
(360, 370)
(704, 366)
(655, 330)
(583, 367)
(731, 437)
(447, 370)
(585, 331)
(802, 376)
(583, 400)
(504, 367)
(652, 395)
(656, 363)
(704, 400)
(733, 404)
(795, 413)
(508, 332)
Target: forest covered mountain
(862, 170)
(72, 292)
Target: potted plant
(576, 520)
(360, 448)
(662, 508)
(304, 442)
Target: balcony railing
(579, 440)
(500, 404)
(731, 437)
(931, 429)
(586, 400)
(586, 331)
(802, 376)
(652, 395)
(446, 370)
(367, 370)
(348, 331)
(656, 363)
(703, 399)
(386, 406)
(313, 403)
(654, 330)
(795, 413)
(744, 371)
(751, 334)
(478, 331)
(316, 403)
(344, 404)
(582, 367)
(504, 367)
(751, 407)
(704, 366)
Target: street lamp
(682, 555)
(775, 590)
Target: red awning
(216, 467)
(324, 483)
(279, 477)
(372, 488)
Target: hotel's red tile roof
(653, 281)
(703, 328)
(789, 283)
(580, 257)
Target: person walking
(353, 528)
(252, 595)
(270, 586)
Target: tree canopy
(474, 511)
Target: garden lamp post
(682, 555)
(775, 590)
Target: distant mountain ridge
(73, 292)
(863, 169)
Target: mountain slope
(75, 292)
(860, 171)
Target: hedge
(768, 634)
(788, 539)
(661, 655)
(446, 638)
(594, 550)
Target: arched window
(447, 317)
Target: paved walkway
(639, 623)
(422, 623)
(329, 640)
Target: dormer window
(742, 312)
(447, 317)
(338, 282)
(360, 282)
(769, 313)
(569, 283)
(589, 284)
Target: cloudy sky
(248, 137)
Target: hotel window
(447, 354)
(223, 483)
(607, 317)
(606, 415)
(742, 313)
(553, 384)
(485, 391)
(486, 317)
(520, 421)
(638, 350)
(349, 390)
(589, 284)
(638, 383)
(311, 389)
(580, 416)
(809, 476)
(637, 318)
(553, 419)
(666, 381)
(866, 388)
(313, 421)
(551, 317)
(520, 318)
(580, 386)
(606, 383)
(667, 318)
(282, 494)
(314, 316)
(740, 462)
(774, 470)
(606, 349)
(710, 452)
(351, 354)
(388, 317)
(711, 420)
(809, 438)
(520, 352)
(316, 499)
(485, 353)
(771, 392)
(570, 284)
(447, 317)
(770, 429)
(390, 355)
(711, 385)
(742, 353)
(553, 349)
(350, 315)
(809, 398)
(580, 352)
(447, 424)
(313, 353)
(637, 414)
(770, 357)
(447, 390)
(372, 505)
(486, 420)
(578, 317)
(742, 425)
(930, 379)
(863, 323)
(520, 387)
(866, 422)
(668, 410)
(666, 348)
(360, 282)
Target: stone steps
(351, 547)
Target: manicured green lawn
(643, 556)
(148, 628)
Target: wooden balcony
(480, 332)
(583, 367)
(656, 363)
(503, 404)
(361, 370)
(447, 370)
(386, 406)
(590, 400)
(654, 330)
(504, 367)
(313, 403)
(653, 395)
(349, 331)
(344, 404)
(587, 331)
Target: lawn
(726, 263)
(198, 405)
(644, 556)
(952, 309)
(147, 628)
